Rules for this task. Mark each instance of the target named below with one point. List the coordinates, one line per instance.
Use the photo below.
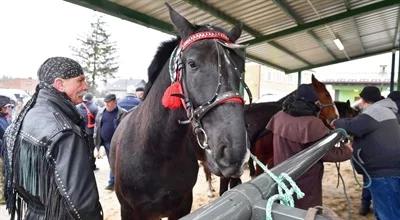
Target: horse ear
(235, 32)
(348, 102)
(315, 81)
(183, 26)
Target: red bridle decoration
(172, 98)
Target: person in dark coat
(5, 104)
(294, 129)
(395, 97)
(377, 149)
(88, 110)
(48, 172)
(106, 122)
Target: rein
(176, 69)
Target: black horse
(153, 149)
(345, 110)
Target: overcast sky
(32, 31)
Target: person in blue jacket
(129, 102)
(377, 150)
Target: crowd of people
(47, 159)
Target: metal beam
(264, 62)
(348, 8)
(292, 15)
(398, 69)
(340, 60)
(321, 44)
(331, 19)
(221, 15)
(243, 201)
(298, 78)
(397, 30)
(122, 12)
(392, 70)
(284, 49)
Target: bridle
(322, 106)
(177, 74)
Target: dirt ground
(332, 197)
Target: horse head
(328, 111)
(208, 66)
(345, 109)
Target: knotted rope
(285, 194)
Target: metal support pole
(398, 70)
(392, 71)
(246, 201)
(298, 78)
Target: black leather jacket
(52, 170)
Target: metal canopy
(289, 35)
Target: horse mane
(280, 101)
(163, 53)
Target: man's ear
(58, 84)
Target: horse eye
(192, 64)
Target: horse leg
(226, 183)
(263, 149)
(234, 182)
(207, 173)
(251, 168)
(127, 213)
(184, 208)
(223, 185)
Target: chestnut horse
(191, 101)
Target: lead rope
(285, 194)
(340, 179)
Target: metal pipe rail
(247, 201)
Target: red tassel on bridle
(172, 96)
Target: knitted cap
(4, 100)
(307, 93)
(371, 94)
(88, 97)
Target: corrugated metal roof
(290, 35)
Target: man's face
(110, 105)
(75, 88)
(140, 94)
(7, 109)
(362, 104)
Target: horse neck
(157, 116)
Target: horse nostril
(222, 155)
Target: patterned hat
(61, 67)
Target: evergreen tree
(97, 54)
